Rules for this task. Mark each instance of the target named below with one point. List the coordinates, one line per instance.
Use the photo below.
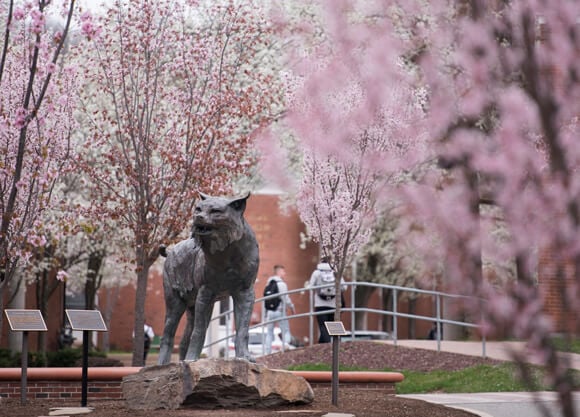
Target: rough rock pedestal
(213, 383)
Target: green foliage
(35, 360)
(7, 359)
(97, 354)
(564, 345)
(64, 357)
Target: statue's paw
(247, 357)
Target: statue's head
(218, 221)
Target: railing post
(483, 350)
(395, 316)
(438, 325)
(287, 323)
(264, 330)
(352, 306)
(311, 317)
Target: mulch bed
(361, 403)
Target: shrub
(7, 359)
(66, 357)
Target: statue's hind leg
(174, 309)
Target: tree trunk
(41, 302)
(91, 286)
(112, 294)
(143, 265)
(387, 306)
(94, 266)
(16, 299)
(46, 285)
(362, 296)
(412, 321)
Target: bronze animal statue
(219, 260)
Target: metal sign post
(86, 320)
(25, 321)
(335, 329)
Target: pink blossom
(88, 28)
(18, 13)
(20, 120)
(500, 129)
(37, 21)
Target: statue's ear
(204, 196)
(239, 204)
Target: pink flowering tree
(36, 123)
(341, 140)
(500, 85)
(174, 91)
(337, 195)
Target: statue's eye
(216, 211)
(197, 209)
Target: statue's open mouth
(202, 229)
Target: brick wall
(111, 390)
(278, 235)
(105, 383)
(558, 287)
(96, 390)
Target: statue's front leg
(174, 310)
(243, 307)
(203, 309)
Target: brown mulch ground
(375, 355)
(360, 403)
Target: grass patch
(563, 345)
(481, 378)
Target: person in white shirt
(324, 299)
(279, 314)
(148, 338)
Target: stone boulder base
(213, 383)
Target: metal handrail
(439, 321)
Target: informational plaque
(335, 328)
(86, 320)
(25, 320)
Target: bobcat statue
(219, 260)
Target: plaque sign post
(335, 329)
(25, 321)
(85, 320)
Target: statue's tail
(163, 250)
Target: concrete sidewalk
(494, 404)
(495, 350)
(500, 404)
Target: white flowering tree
(176, 93)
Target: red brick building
(278, 235)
